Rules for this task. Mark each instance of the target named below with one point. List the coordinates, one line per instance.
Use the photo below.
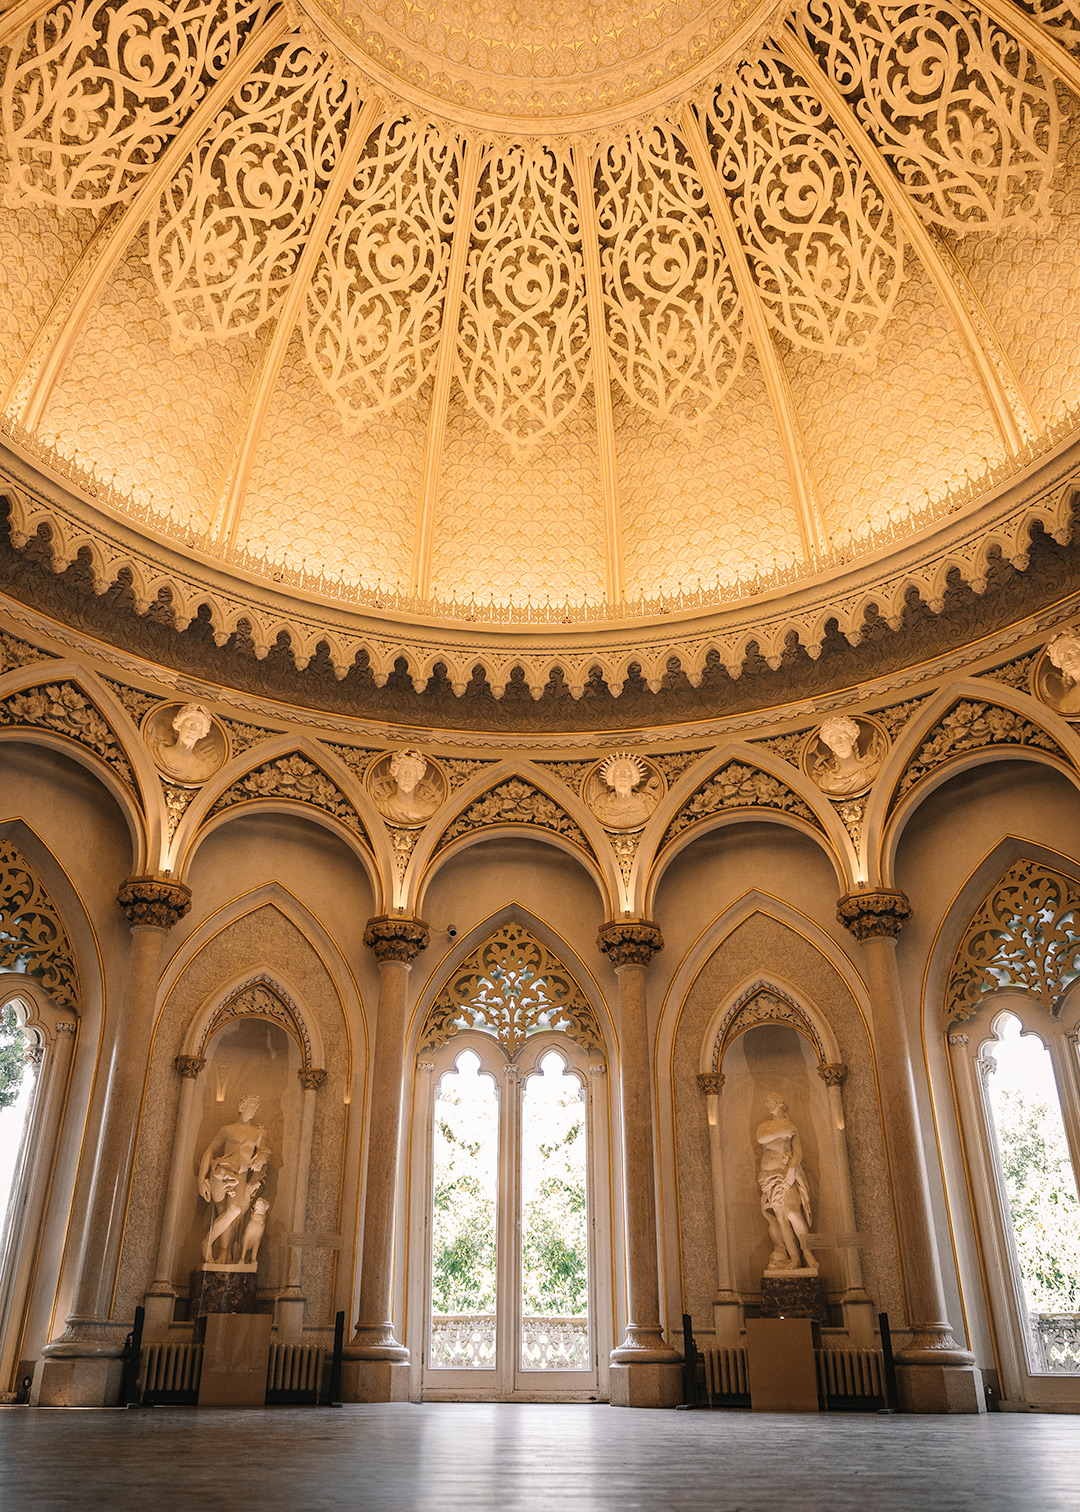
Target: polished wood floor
(510, 1458)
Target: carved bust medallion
(844, 755)
(186, 741)
(623, 790)
(1057, 675)
(406, 787)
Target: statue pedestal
(235, 1356)
(224, 1289)
(794, 1294)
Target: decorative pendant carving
(1026, 935)
(32, 934)
(512, 987)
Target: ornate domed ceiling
(534, 311)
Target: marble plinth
(223, 1291)
(798, 1294)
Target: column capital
(190, 1066)
(874, 913)
(630, 942)
(710, 1082)
(157, 901)
(311, 1078)
(833, 1073)
(395, 938)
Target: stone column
(377, 1364)
(727, 1304)
(160, 1299)
(645, 1371)
(857, 1306)
(289, 1308)
(934, 1373)
(83, 1368)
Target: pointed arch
(34, 941)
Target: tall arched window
(1014, 1010)
(512, 1057)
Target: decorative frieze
(394, 938)
(16, 653)
(630, 942)
(65, 709)
(1026, 935)
(512, 987)
(32, 934)
(873, 913)
(157, 902)
(737, 786)
(1015, 673)
(970, 726)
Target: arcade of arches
(540, 746)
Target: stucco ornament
(1057, 674)
(231, 1174)
(844, 755)
(186, 741)
(623, 791)
(785, 1196)
(406, 788)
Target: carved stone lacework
(827, 258)
(762, 1004)
(737, 786)
(243, 736)
(33, 939)
(787, 747)
(852, 812)
(961, 109)
(297, 779)
(136, 703)
(511, 987)
(373, 313)
(228, 231)
(262, 999)
(19, 653)
(675, 330)
(676, 764)
(1014, 674)
(63, 708)
(1060, 17)
(570, 772)
(625, 848)
(896, 717)
(95, 90)
(515, 802)
(1025, 935)
(404, 843)
(356, 758)
(522, 352)
(177, 802)
(458, 771)
(967, 727)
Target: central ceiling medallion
(565, 64)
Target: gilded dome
(534, 313)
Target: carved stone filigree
(512, 987)
(19, 653)
(834, 1074)
(32, 934)
(762, 1003)
(894, 718)
(873, 913)
(787, 747)
(64, 708)
(177, 802)
(137, 703)
(737, 786)
(404, 843)
(1025, 935)
(625, 848)
(630, 942)
(515, 802)
(157, 902)
(261, 998)
(459, 770)
(711, 1082)
(959, 1040)
(190, 1066)
(1014, 674)
(298, 779)
(852, 812)
(311, 1078)
(573, 773)
(396, 939)
(243, 736)
(969, 726)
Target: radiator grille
(170, 1373)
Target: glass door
(510, 1292)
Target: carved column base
(376, 1341)
(89, 1339)
(644, 1346)
(83, 1368)
(940, 1388)
(933, 1344)
(375, 1380)
(646, 1384)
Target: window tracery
(33, 939)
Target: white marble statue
(407, 788)
(189, 747)
(253, 1232)
(626, 793)
(846, 756)
(231, 1174)
(785, 1196)
(1064, 654)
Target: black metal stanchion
(892, 1399)
(333, 1390)
(689, 1369)
(129, 1391)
